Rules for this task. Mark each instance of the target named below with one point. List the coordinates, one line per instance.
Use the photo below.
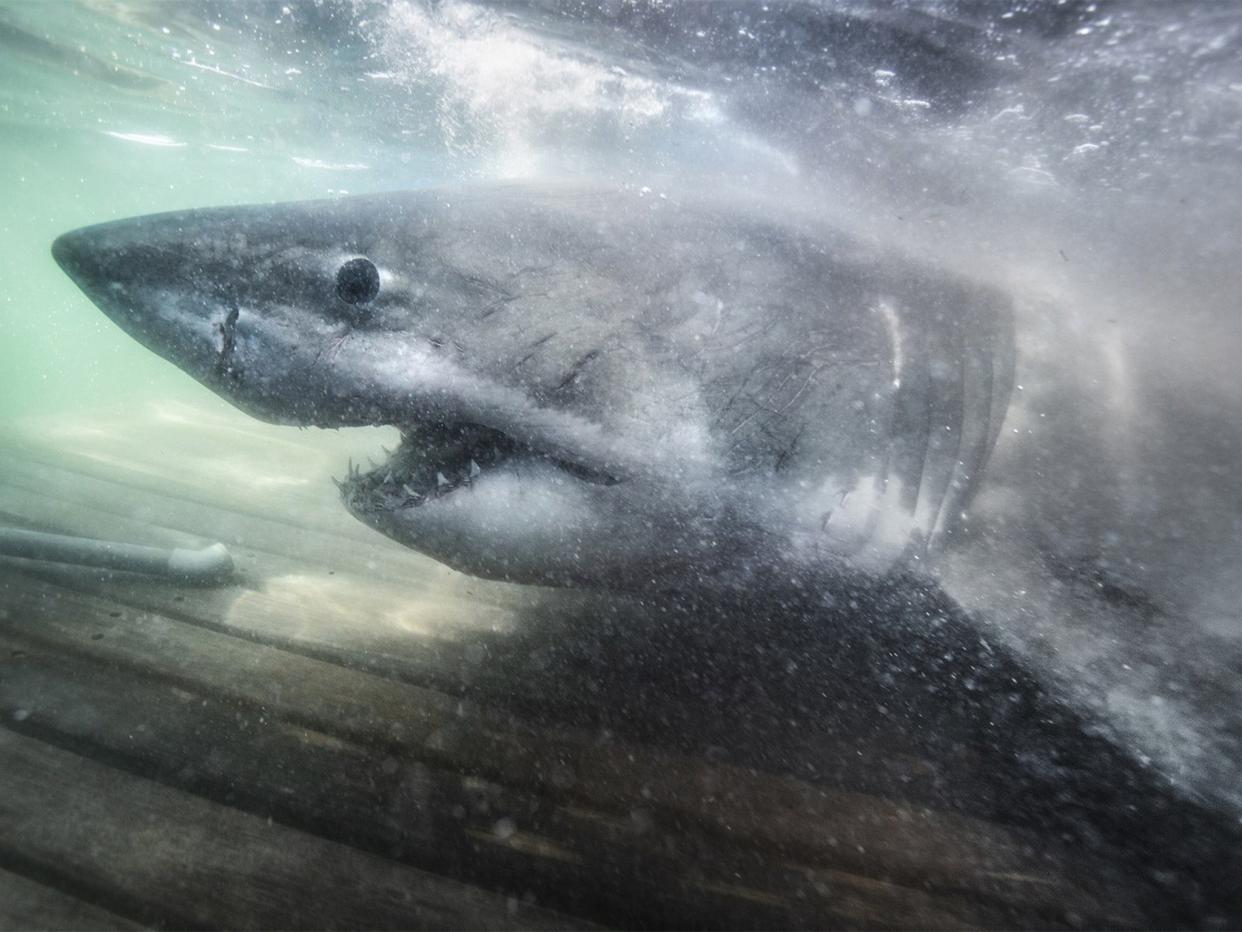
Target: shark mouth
(435, 460)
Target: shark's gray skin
(609, 388)
(624, 390)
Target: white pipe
(210, 564)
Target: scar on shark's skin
(533, 347)
(572, 375)
(228, 343)
(333, 348)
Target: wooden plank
(813, 824)
(25, 904)
(415, 640)
(631, 871)
(179, 860)
(500, 668)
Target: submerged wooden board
(340, 691)
(177, 859)
(28, 904)
(588, 859)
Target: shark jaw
(437, 460)
(486, 503)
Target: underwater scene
(621, 463)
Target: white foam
(499, 77)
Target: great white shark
(695, 391)
(675, 389)
(594, 387)
(690, 387)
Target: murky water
(1086, 158)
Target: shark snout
(91, 259)
(141, 287)
(121, 266)
(120, 253)
(75, 254)
(105, 258)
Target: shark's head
(592, 388)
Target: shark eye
(357, 281)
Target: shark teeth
(431, 461)
(434, 460)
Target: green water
(109, 111)
(60, 353)
(59, 170)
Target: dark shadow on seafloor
(890, 690)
